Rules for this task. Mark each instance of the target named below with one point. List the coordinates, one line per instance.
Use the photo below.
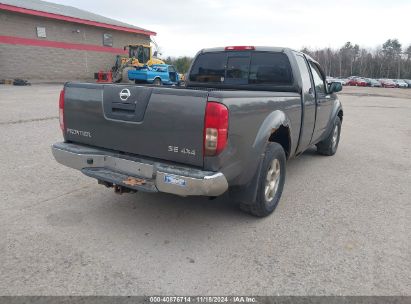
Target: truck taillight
(215, 128)
(61, 110)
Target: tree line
(390, 60)
(182, 64)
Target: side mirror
(334, 87)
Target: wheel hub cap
(335, 136)
(272, 180)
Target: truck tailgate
(162, 123)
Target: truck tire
(157, 82)
(124, 75)
(329, 145)
(270, 182)
(117, 78)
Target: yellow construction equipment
(138, 55)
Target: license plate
(171, 179)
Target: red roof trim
(21, 10)
(60, 45)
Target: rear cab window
(242, 68)
(209, 67)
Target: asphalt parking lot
(341, 228)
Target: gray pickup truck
(243, 112)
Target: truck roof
(294, 86)
(256, 48)
(259, 48)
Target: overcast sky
(185, 26)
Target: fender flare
(271, 123)
(158, 78)
(336, 109)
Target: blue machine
(157, 74)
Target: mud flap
(247, 194)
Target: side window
(318, 80)
(171, 69)
(146, 54)
(133, 52)
(140, 54)
(305, 73)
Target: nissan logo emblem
(125, 94)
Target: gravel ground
(342, 226)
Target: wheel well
(340, 115)
(282, 136)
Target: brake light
(215, 128)
(61, 110)
(239, 48)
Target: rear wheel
(117, 78)
(270, 182)
(157, 82)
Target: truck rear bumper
(137, 173)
